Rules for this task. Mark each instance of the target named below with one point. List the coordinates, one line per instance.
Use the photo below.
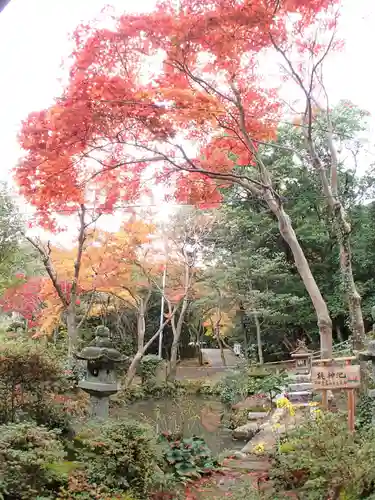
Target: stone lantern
(100, 380)
(303, 357)
(369, 355)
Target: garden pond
(188, 414)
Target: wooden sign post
(331, 376)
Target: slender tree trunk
(259, 339)
(142, 348)
(303, 268)
(287, 232)
(177, 330)
(343, 229)
(353, 298)
(132, 370)
(72, 329)
(340, 338)
(199, 341)
(173, 360)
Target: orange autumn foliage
(149, 83)
(109, 265)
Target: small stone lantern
(303, 357)
(100, 381)
(369, 355)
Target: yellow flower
(313, 403)
(285, 403)
(282, 403)
(259, 448)
(276, 427)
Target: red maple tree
(24, 298)
(140, 91)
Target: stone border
(265, 430)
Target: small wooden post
(325, 391)
(351, 406)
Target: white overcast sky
(34, 38)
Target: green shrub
(53, 416)
(119, 454)
(364, 411)
(73, 372)
(239, 384)
(28, 374)
(271, 384)
(324, 460)
(233, 387)
(238, 418)
(189, 457)
(149, 391)
(78, 488)
(148, 367)
(28, 462)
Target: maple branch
(113, 294)
(236, 178)
(46, 259)
(267, 184)
(203, 83)
(88, 309)
(78, 261)
(121, 164)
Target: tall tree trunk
(132, 370)
(343, 229)
(340, 337)
(141, 347)
(357, 325)
(177, 330)
(72, 329)
(259, 339)
(265, 191)
(303, 268)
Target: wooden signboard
(332, 375)
(335, 377)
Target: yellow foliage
(114, 263)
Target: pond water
(192, 415)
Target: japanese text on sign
(336, 377)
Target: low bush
(364, 412)
(78, 488)
(323, 460)
(73, 372)
(119, 454)
(188, 458)
(241, 383)
(28, 372)
(29, 462)
(148, 368)
(148, 391)
(238, 418)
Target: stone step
(249, 465)
(300, 396)
(246, 431)
(299, 379)
(300, 387)
(302, 406)
(254, 415)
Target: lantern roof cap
(369, 354)
(301, 350)
(101, 348)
